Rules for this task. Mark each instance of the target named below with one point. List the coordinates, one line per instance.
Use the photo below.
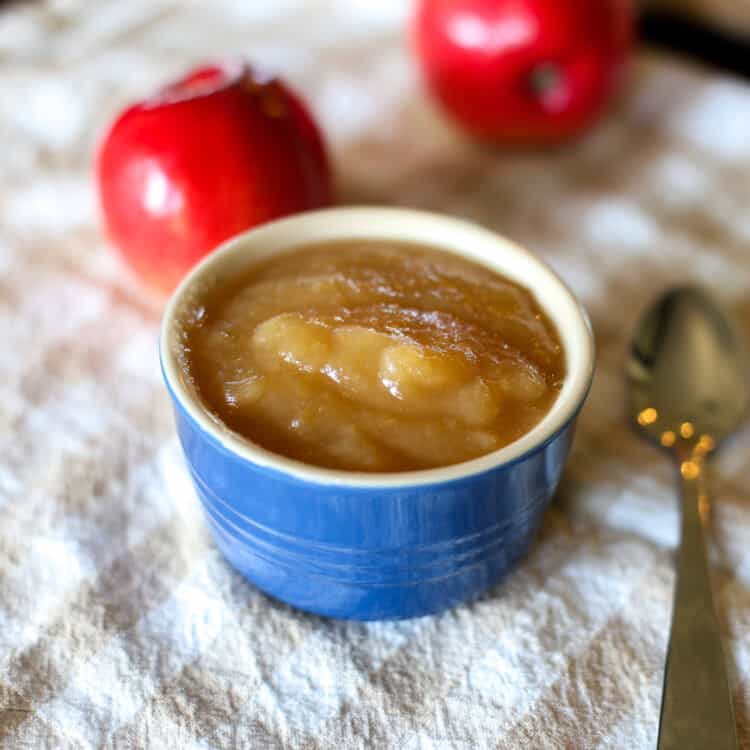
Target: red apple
(523, 71)
(208, 156)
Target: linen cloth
(120, 624)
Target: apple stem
(544, 79)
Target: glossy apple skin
(210, 155)
(523, 71)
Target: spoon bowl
(687, 366)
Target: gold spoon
(688, 380)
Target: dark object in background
(705, 43)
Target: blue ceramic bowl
(372, 546)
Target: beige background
(121, 627)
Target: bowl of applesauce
(375, 405)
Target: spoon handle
(696, 709)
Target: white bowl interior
(455, 235)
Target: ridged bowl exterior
(369, 553)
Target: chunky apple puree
(374, 356)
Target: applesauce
(373, 356)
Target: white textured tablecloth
(121, 626)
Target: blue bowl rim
(388, 223)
